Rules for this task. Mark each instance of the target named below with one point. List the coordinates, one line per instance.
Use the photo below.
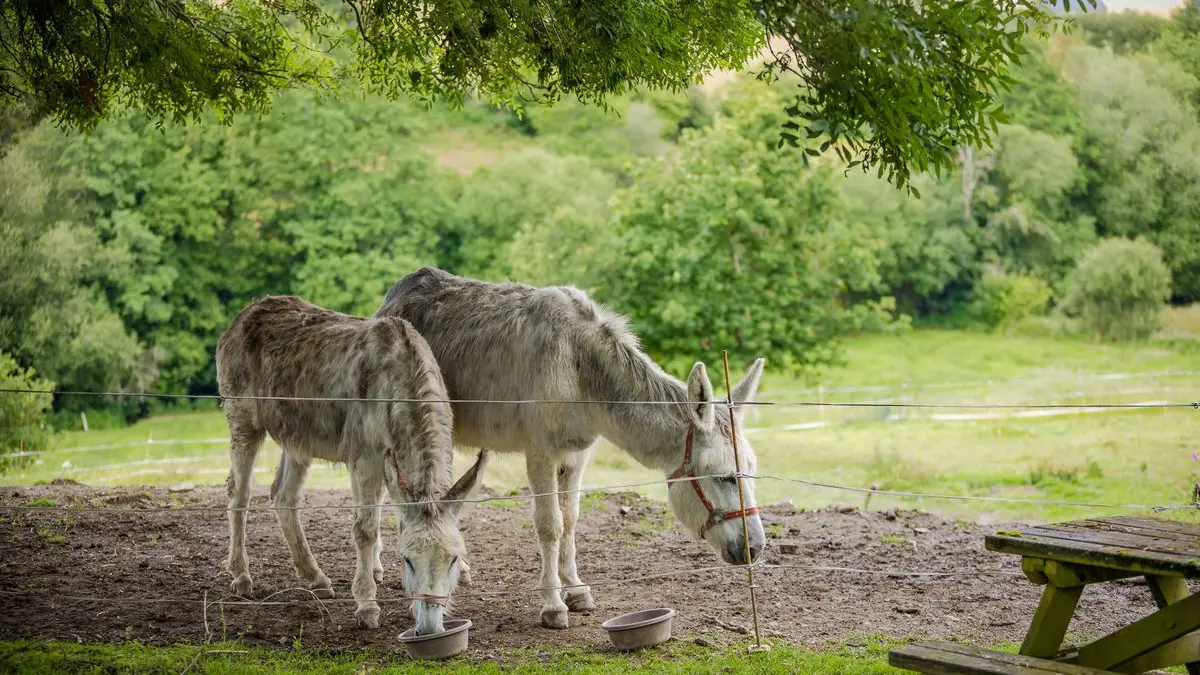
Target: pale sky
(1155, 6)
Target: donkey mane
(608, 361)
(431, 418)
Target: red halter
(688, 471)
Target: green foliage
(1142, 154)
(1023, 201)
(851, 57)
(1181, 41)
(1002, 300)
(533, 193)
(1119, 289)
(22, 416)
(53, 313)
(590, 51)
(79, 61)
(132, 247)
(897, 86)
(1124, 32)
(703, 261)
(330, 202)
(569, 246)
(1040, 98)
(930, 250)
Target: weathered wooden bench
(1067, 557)
(948, 658)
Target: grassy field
(46, 658)
(1116, 457)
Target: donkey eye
(410, 565)
(454, 562)
(728, 480)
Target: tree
(22, 416)
(1040, 98)
(730, 242)
(897, 86)
(929, 257)
(1125, 32)
(54, 315)
(521, 193)
(1025, 207)
(1180, 41)
(330, 202)
(1119, 289)
(1141, 152)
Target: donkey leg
(377, 563)
(570, 477)
(285, 494)
(245, 440)
(542, 469)
(366, 483)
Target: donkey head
(432, 547)
(710, 507)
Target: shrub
(22, 416)
(1119, 289)
(1003, 300)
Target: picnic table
(1067, 557)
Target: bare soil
(176, 554)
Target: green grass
(930, 356)
(681, 655)
(893, 539)
(1182, 321)
(1125, 457)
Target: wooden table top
(1139, 544)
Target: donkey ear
(467, 484)
(700, 398)
(747, 389)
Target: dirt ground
(178, 554)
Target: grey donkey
(509, 341)
(287, 347)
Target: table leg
(1050, 621)
(1167, 591)
(1163, 638)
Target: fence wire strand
(539, 401)
(350, 507)
(268, 601)
(970, 498)
(610, 488)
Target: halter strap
(689, 471)
(439, 600)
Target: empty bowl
(636, 630)
(452, 640)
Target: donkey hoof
(322, 592)
(555, 618)
(377, 574)
(368, 617)
(580, 601)
(242, 586)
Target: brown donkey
(285, 347)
